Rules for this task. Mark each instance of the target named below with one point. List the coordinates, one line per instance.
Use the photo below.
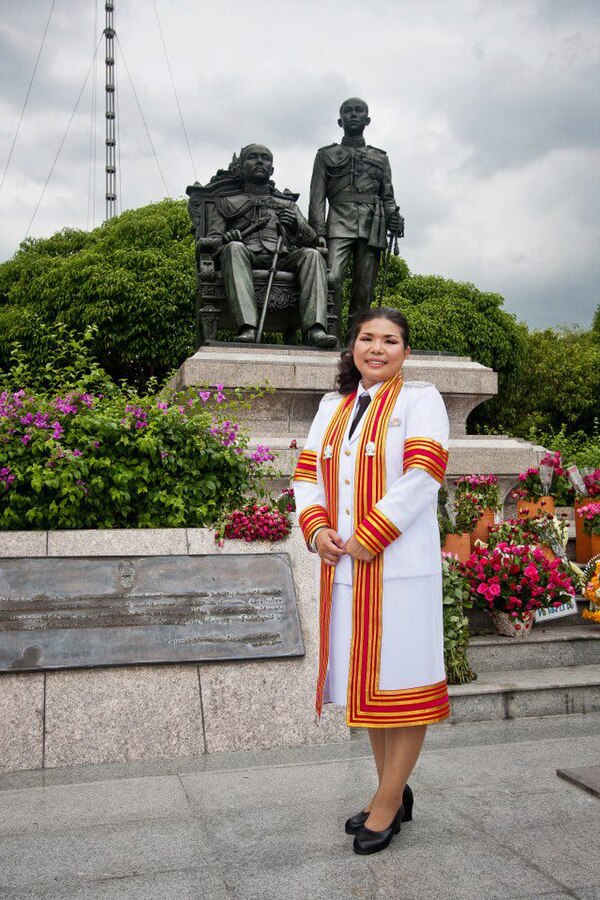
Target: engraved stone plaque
(69, 613)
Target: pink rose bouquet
(590, 513)
(516, 579)
(482, 487)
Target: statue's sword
(256, 226)
(393, 242)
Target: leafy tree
(132, 278)
(558, 387)
(456, 317)
(596, 325)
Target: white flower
(370, 449)
(328, 452)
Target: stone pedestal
(121, 713)
(298, 378)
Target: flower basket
(583, 542)
(481, 531)
(591, 592)
(528, 508)
(459, 545)
(589, 514)
(516, 580)
(506, 625)
(478, 496)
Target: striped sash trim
(330, 468)
(424, 453)
(376, 531)
(312, 518)
(306, 468)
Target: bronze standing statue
(280, 227)
(355, 180)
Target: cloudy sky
(488, 110)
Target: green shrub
(83, 460)
(456, 317)
(133, 278)
(456, 598)
(558, 385)
(579, 449)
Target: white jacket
(410, 503)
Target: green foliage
(456, 598)
(119, 460)
(132, 278)
(579, 449)
(558, 386)
(60, 360)
(456, 317)
(596, 325)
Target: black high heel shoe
(354, 823)
(367, 841)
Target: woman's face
(379, 351)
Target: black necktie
(363, 402)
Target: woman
(366, 492)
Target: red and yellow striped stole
(330, 468)
(424, 453)
(306, 467)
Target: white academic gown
(411, 647)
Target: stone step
(518, 693)
(555, 646)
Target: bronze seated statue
(245, 227)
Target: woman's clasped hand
(331, 547)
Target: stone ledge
(560, 645)
(118, 542)
(539, 635)
(23, 543)
(136, 542)
(521, 694)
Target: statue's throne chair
(212, 308)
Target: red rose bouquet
(516, 579)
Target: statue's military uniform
(356, 181)
(297, 254)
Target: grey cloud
(569, 300)
(505, 127)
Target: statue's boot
(247, 335)
(318, 337)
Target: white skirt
(412, 646)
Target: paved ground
(492, 820)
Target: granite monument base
(122, 713)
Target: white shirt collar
(363, 390)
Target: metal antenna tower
(111, 157)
